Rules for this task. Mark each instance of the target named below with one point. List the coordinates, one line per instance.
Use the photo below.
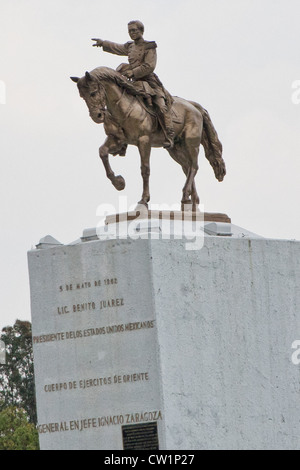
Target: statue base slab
(142, 212)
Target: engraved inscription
(84, 307)
(111, 303)
(87, 284)
(102, 421)
(90, 306)
(97, 382)
(63, 309)
(102, 330)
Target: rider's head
(135, 29)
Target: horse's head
(94, 96)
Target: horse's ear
(88, 76)
(75, 79)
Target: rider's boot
(149, 101)
(169, 142)
(122, 151)
(167, 124)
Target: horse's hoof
(186, 205)
(119, 183)
(143, 204)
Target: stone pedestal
(147, 344)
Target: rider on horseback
(142, 61)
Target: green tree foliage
(17, 375)
(16, 432)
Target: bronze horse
(113, 100)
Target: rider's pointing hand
(99, 42)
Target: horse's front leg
(144, 146)
(109, 146)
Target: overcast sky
(238, 58)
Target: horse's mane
(108, 74)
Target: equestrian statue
(136, 109)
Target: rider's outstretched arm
(112, 47)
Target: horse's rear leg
(191, 150)
(180, 156)
(109, 146)
(144, 146)
(195, 197)
(194, 200)
(189, 188)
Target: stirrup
(169, 143)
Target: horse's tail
(212, 145)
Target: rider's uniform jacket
(142, 61)
(141, 55)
